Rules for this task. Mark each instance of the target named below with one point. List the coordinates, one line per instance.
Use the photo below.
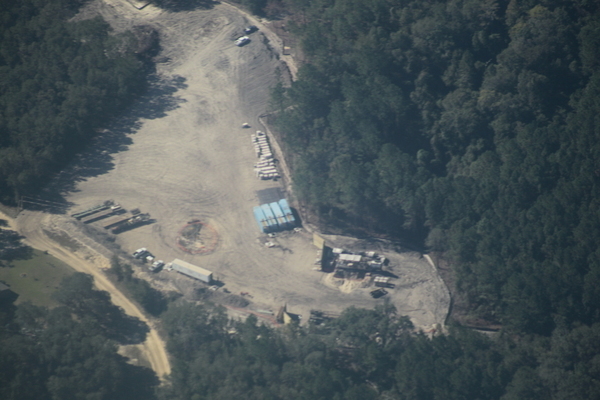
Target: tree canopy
(463, 126)
(58, 81)
(66, 352)
(370, 354)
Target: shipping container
(192, 270)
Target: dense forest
(58, 81)
(463, 126)
(370, 354)
(70, 352)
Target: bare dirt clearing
(181, 155)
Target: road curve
(31, 225)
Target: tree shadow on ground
(97, 159)
(125, 329)
(12, 246)
(185, 5)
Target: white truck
(242, 41)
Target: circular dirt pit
(197, 237)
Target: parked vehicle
(242, 41)
(156, 266)
(139, 253)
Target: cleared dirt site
(180, 154)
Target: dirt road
(33, 226)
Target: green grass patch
(63, 239)
(35, 279)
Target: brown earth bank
(180, 155)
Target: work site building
(261, 220)
(192, 270)
(271, 220)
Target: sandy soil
(180, 154)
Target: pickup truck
(139, 253)
(156, 265)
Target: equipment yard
(182, 156)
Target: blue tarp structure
(273, 225)
(287, 211)
(281, 220)
(275, 216)
(260, 219)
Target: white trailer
(192, 270)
